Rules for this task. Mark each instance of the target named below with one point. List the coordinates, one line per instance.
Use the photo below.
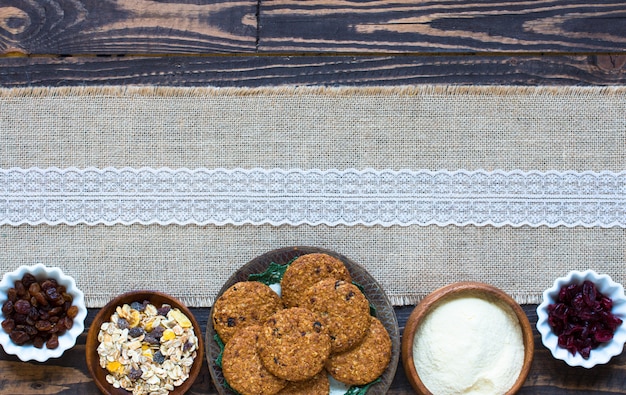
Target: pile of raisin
(38, 312)
(582, 318)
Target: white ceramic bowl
(29, 352)
(605, 351)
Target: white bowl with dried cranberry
(47, 288)
(582, 318)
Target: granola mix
(147, 350)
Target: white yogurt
(469, 345)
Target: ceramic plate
(371, 289)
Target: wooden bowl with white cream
(467, 337)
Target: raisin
(33, 288)
(163, 310)
(135, 374)
(135, 332)
(53, 342)
(28, 279)
(19, 288)
(19, 337)
(157, 332)
(122, 323)
(7, 307)
(49, 283)
(38, 311)
(43, 325)
(72, 312)
(55, 311)
(41, 299)
(8, 325)
(19, 318)
(38, 341)
(158, 357)
(22, 307)
(12, 295)
(30, 330)
(68, 323)
(33, 314)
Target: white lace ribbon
(332, 197)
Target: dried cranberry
(581, 318)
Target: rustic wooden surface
(256, 43)
(311, 42)
(68, 375)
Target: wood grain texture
(68, 375)
(440, 26)
(129, 26)
(303, 26)
(255, 71)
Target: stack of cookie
(288, 344)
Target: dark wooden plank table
(228, 43)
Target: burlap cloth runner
(433, 128)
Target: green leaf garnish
(373, 310)
(361, 390)
(218, 360)
(272, 275)
(220, 343)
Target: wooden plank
(68, 375)
(127, 26)
(256, 71)
(294, 26)
(442, 26)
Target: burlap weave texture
(314, 128)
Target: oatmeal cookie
(307, 270)
(343, 308)
(367, 361)
(244, 303)
(242, 367)
(294, 344)
(318, 385)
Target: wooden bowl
(455, 290)
(372, 290)
(157, 299)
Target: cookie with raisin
(294, 344)
(318, 385)
(243, 304)
(306, 271)
(242, 367)
(365, 362)
(344, 310)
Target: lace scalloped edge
(369, 197)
